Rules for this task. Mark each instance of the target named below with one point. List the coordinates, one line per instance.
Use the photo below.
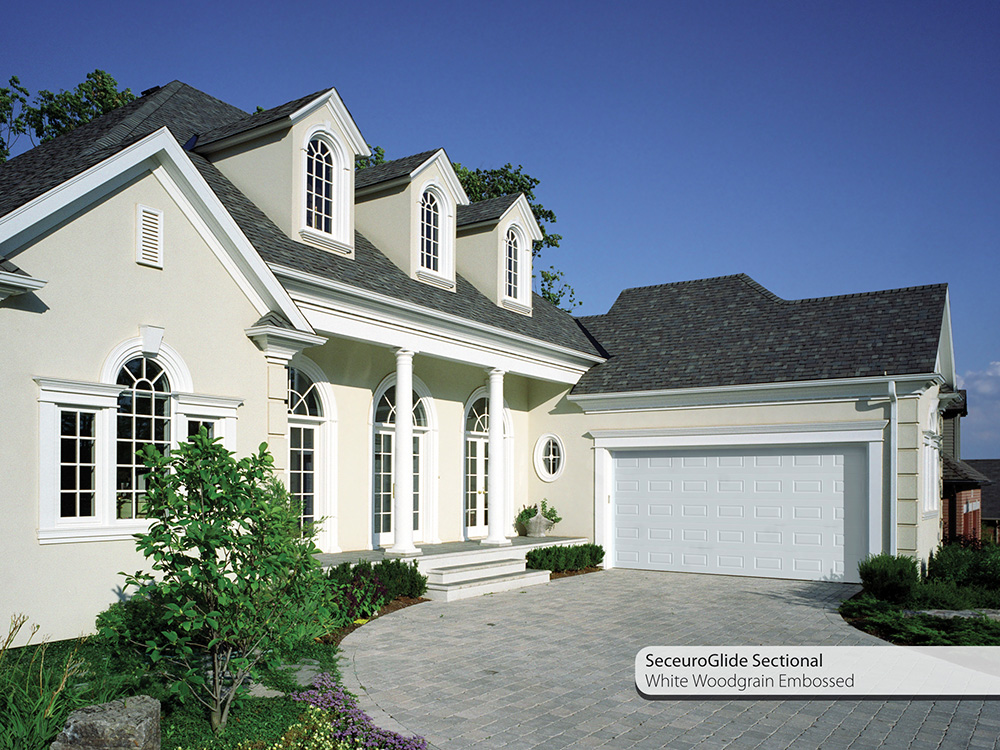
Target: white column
(402, 460)
(497, 468)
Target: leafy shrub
(351, 725)
(888, 577)
(357, 591)
(558, 559)
(39, 689)
(401, 579)
(968, 563)
(528, 512)
(947, 595)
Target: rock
(131, 723)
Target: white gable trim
(448, 175)
(335, 105)
(160, 154)
(15, 283)
(946, 346)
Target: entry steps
(453, 582)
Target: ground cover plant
(559, 559)
(964, 575)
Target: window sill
(325, 241)
(429, 277)
(122, 532)
(514, 306)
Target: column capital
(403, 354)
(496, 372)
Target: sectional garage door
(779, 512)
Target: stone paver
(552, 667)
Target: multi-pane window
(76, 464)
(552, 456)
(513, 263)
(304, 415)
(194, 426)
(477, 466)
(385, 429)
(319, 186)
(430, 230)
(143, 419)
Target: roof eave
(12, 284)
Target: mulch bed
(335, 637)
(568, 573)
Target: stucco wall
(96, 298)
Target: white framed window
(515, 273)
(430, 232)
(305, 418)
(326, 198)
(549, 457)
(91, 482)
(931, 448)
(512, 265)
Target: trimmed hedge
(891, 578)
(558, 559)
(363, 588)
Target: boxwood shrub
(557, 559)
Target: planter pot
(538, 525)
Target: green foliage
(558, 559)
(257, 723)
(529, 511)
(891, 623)
(377, 157)
(237, 577)
(948, 595)
(401, 579)
(888, 577)
(51, 114)
(966, 565)
(362, 589)
(314, 730)
(40, 686)
(13, 104)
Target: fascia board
(341, 114)
(799, 433)
(244, 137)
(842, 389)
(946, 345)
(380, 186)
(383, 320)
(450, 178)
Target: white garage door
(779, 512)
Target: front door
(477, 458)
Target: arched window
(513, 283)
(549, 457)
(430, 232)
(143, 419)
(305, 414)
(385, 429)
(319, 186)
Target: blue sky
(820, 147)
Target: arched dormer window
(512, 260)
(319, 187)
(430, 232)
(326, 193)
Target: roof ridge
(118, 133)
(874, 293)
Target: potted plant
(536, 520)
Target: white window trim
(339, 239)
(444, 277)
(220, 410)
(538, 457)
(931, 450)
(521, 301)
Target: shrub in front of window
(238, 577)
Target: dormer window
(325, 218)
(512, 264)
(319, 187)
(430, 232)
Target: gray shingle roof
(256, 120)
(390, 170)
(960, 472)
(490, 209)
(990, 494)
(732, 331)
(372, 271)
(184, 110)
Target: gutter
(893, 464)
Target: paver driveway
(552, 666)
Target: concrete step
(435, 560)
(450, 592)
(472, 571)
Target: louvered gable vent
(149, 237)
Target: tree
(377, 157)
(51, 115)
(235, 576)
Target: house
(989, 510)
(179, 263)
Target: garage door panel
(768, 511)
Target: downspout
(893, 461)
